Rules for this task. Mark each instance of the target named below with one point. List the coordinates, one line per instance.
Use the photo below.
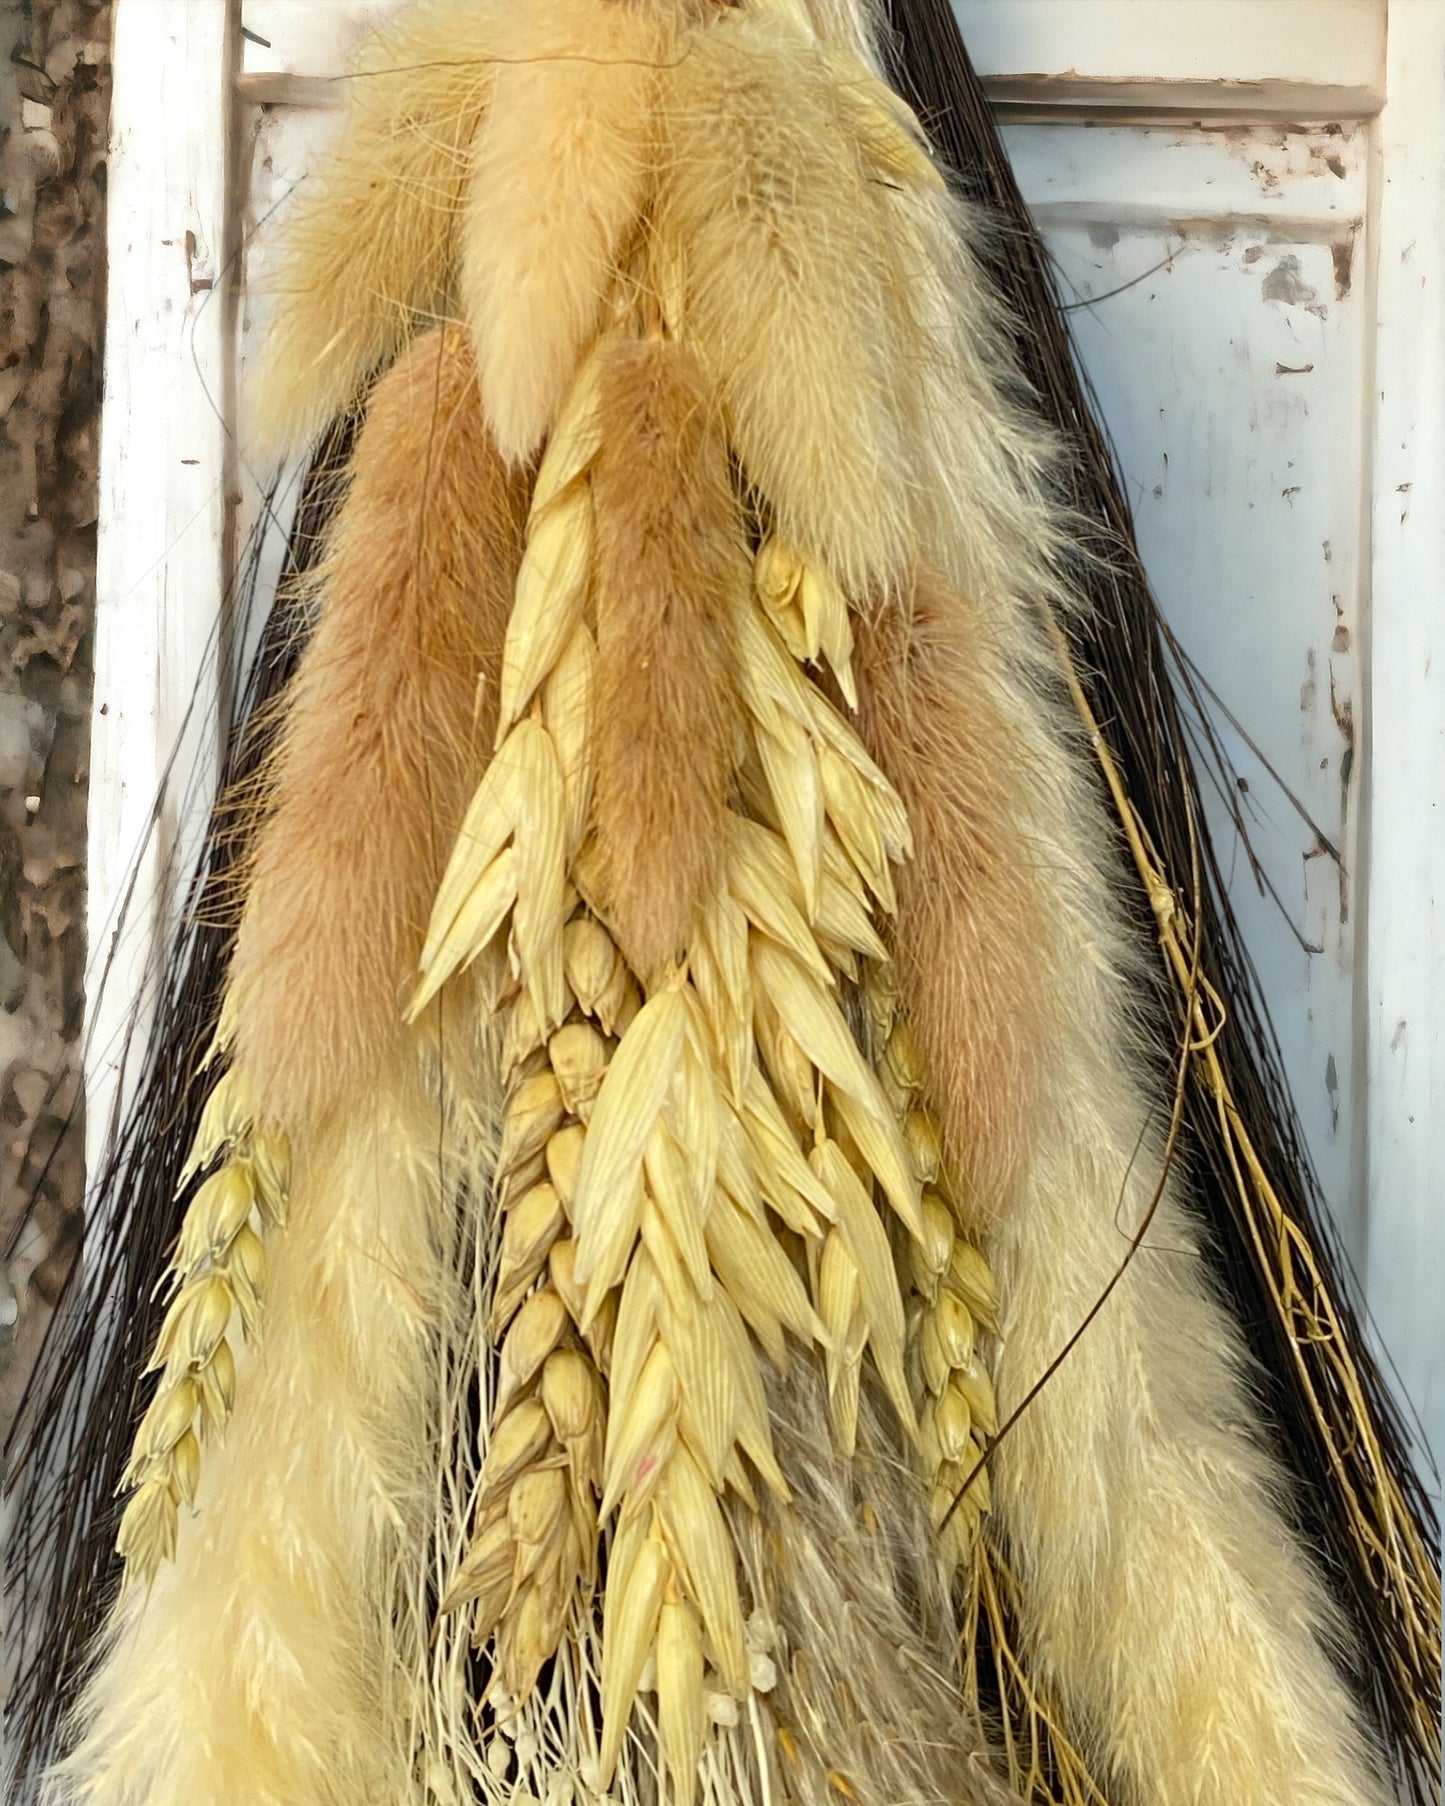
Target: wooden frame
(164, 540)
(1403, 997)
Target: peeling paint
(1286, 283)
(1342, 639)
(1342, 707)
(1342, 255)
(1309, 689)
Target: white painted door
(1245, 200)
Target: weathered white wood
(1213, 276)
(1405, 1006)
(1125, 58)
(305, 39)
(1319, 43)
(1239, 41)
(163, 543)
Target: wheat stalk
(217, 1272)
(954, 1302)
(954, 1295)
(534, 1540)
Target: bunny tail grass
(370, 249)
(671, 576)
(556, 186)
(982, 1019)
(386, 731)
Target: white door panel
(1217, 312)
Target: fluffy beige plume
(269, 1664)
(1164, 1599)
(852, 1615)
(810, 233)
(671, 577)
(387, 727)
(555, 190)
(370, 250)
(765, 215)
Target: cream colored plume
(370, 250)
(269, 1663)
(556, 186)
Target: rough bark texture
(54, 99)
